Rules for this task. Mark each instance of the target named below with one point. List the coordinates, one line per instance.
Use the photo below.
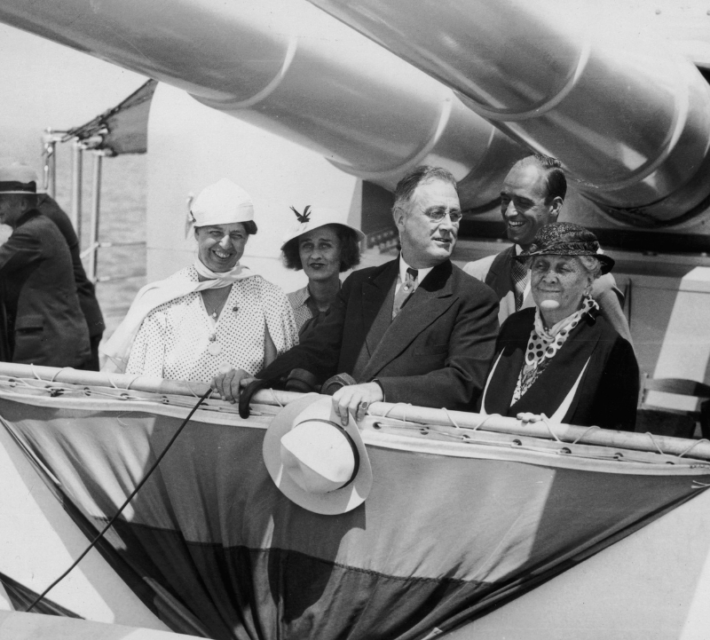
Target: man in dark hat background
(532, 196)
(44, 324)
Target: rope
(276, 399)
(585, 433)
(692, 446)
(34, 373)
(133, 493)
(451, 420)
(486, 419)
(546, 420)
(189, 386)
(655, 444)
(394, 406)
(24, 382)
(54, 377)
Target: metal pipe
(629, 119)
(287, 67)
(77, 175)
(95, 215)
(50, 140)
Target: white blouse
(180, 341)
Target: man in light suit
(532, 196)
(416, 329)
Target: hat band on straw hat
(309, 461)
(348, 438)
(12, 186)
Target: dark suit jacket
(45, 323)
(499, 276)
(436, 351)
(607, 394)
(84, 287)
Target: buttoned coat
(434, 353)
(45, 325)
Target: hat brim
(335, 502)
(306, 228)
(606, 263)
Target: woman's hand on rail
(529, 418)
(229, 382)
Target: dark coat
(500, 275)
(45, 323)
(84, 287)
(607, 394)
(435, 353)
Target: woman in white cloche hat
(324, 245)
(212, 315)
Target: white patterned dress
(177, 340)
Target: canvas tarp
(445, 534)
(122, 129)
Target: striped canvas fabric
(447, 532)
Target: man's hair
(555, 180)
(349, 249)
(423, 173)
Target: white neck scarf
(221, 278)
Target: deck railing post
(76, 184)
(95, 215)
(49, 177)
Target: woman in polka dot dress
(561, 358)
(213, 315)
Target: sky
(44, 84)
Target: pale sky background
(44, 84)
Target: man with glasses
(416, 329)
(532, 195)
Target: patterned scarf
(544, 344)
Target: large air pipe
(292, 69)
(630, 120)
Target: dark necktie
(519, 275)
(407, 289)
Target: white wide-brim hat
(223, 202)
(313, 217)
(314, 461)
(16, 177)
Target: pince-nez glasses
(437, 215)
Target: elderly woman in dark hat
(324, 245)
(561, 358)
